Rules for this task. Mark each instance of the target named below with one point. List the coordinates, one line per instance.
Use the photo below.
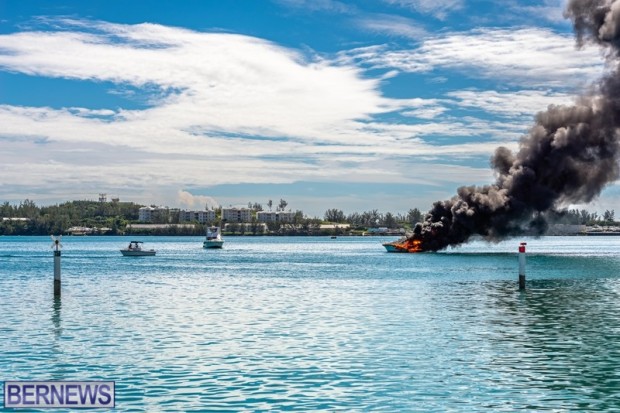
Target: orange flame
(410, 245)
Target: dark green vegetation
(114, 218)
(373, 218)
(57, 219)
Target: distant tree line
(115, 216)
(256, 206)
(374, 218)
(583, 217)
(57, 219)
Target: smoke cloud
(199, 201)
(569, 155)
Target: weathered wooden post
(522, 266)
(57, 246)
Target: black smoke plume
(568, 156)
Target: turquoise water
(318, 324)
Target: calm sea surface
(318, 324)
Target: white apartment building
(236, 215)
(150, 214)
(279, 216)
(145, 214)
(153, 214)
(205, 216)
(200, 216)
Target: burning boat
(566, 158)
(403, 245)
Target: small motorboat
(392, 247)
(213, 239)
(134, 249)
(405, 244)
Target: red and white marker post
(522, 266)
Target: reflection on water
(556, 342)
(572, 334)
(56, 320)
(310, 325)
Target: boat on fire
(213, 238)
(393, 247)
(134, 249)
(404, 244)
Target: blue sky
(385, 104)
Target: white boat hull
(128, 253)
(390, 247)
(213, 238)
(213, 244)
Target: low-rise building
(278, 216)
(79, 230)
(385, 231)
(334, 226)
(236, 215)
(157, 214)
(158, 226)
(149, 213)
(200, 216)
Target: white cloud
(426, 113)
(318, 5)
(438, 8)
(217, 82)
(227, 109)
(227, 82)
(393, 25)
(549, 10)
(221, 85)
(552, 14)
(527, 57)
(192, 201)
(519, 103)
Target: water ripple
(293, 324)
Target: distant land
(123, 218)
